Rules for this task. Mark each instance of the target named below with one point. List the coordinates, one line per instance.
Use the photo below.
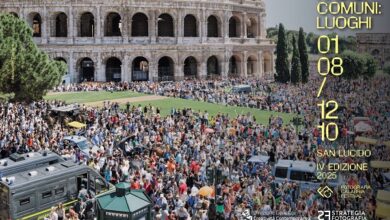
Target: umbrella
(366, 140)
(209, 130)
(206, 191)
(363, 127)
(76, 124)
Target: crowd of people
(175, 151)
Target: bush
(356, 65)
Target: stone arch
(62, 60)
(113, 25)
(252, 28)
(86, 69)
(234, 66)
(190, 26)
(35, 21)
(267, 62)
(165, 25)
(213, 26)
(14, 14)
(140, 69)
(139, 25)
(166, 69)
(113, 69)
(87, 25)
(251, 65)
(59, 25)
(375, 52)
(190, 67)
(213, 66)
(234, 27)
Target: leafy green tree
(353, 64)
(356, 65)
(296, 71)
(386, 68)
(25, 70)
(371, 65)
(303, 56)
(281, 63)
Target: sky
(302, 13)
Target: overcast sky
(302, 13)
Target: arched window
(61, 26)
(61, 59)
(190, 27)
(190, 67)
(113, 25)
(86, 70)
(165, 26)
(234, 27)
(87, 25)
(139, 26)
(35, 21)
(252, 28)
(14, 14)
(166, 69)
(113, 70)
(140, 69)
(212, 26)
(213, 66)
(375, 52)
(234, 67)
(267, 63)
(251, 67)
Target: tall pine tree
(296, 71)
(25, 70)
(304, 58)
(282, 64)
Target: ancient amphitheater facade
(132, 40)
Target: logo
(325, 191)
(247, 215)
(323, 215)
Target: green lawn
(83, 97)
(166, 105)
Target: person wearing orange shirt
(171, 166)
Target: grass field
(167, 104)
(84, 97)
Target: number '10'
(327, 40)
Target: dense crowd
(175, 151)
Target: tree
(303, 56)
(281, 64)
(386, 68)
(25, 70)
(296, 71)
(371, 65)
(356, 65)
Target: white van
(302, 172)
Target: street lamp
(297, 121)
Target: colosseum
(135, 40)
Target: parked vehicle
(20, 162)
(81, 143)
(37, 190)
(302, 172)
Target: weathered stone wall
(250, 49)
(376, 44)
